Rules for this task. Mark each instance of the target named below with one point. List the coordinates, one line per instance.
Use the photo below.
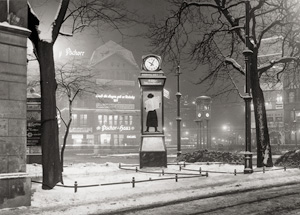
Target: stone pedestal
(15, 184)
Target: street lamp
(178, 119)
(247, 98)
(295, 126)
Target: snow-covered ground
(102, 198)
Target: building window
(100, 119)
(116, 139)
(270, 119)
(291, 97)
(116, 119)
(110, 120)
(279, 99)
(126, 120)
(104, 119)
(74, 119)
(83, 120)
(121, 138)
(278, 119)
(121, 120)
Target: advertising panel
(33, 121)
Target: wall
(14, 183)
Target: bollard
(133, 182)
(206, 174)
(162, 172)
(136, 169)
(75, 187)
(284, 168)
(234, 171)
(119, 165)
(184, 164)
(200, 170)
(179, 167)
(264, 169)
(176, 177)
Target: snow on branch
(235, 65)
(272, 63)
(66, 34)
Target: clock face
(207, 115)
(151, 63)
(199, 115)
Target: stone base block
(15, 190)
(153, 159)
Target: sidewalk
(101, 198)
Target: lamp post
(295, 127)
(178, 119)
(247, 98)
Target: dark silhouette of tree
(81, 14)
(213, 33)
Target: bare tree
(82, 14)
(74, 81)
(213, 33)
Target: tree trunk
(264, 155)
(52, 172)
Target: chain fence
(176, 176)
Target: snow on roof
(6, 24)
(108, 49)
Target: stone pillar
(15, 185)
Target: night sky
(87, 41)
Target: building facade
(111, 116)
(291, 107)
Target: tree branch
(272, 63)
(59, 19)
(235, 65)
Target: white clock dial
(151, 64)
(207, 114)
(199, 115)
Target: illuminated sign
(151, 82)
(115, 106)
(115, 98)
(70, 52)
(81, 130)
(34, 124)
(131, 136)
(115, 128)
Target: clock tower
(153, 151)
(203, 115)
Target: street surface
(276, 201)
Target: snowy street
(153, 187)
(275, 201)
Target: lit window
(291, 97)
(279, 98)
(74, 119)
(83, 119)
(115, 119)
(100, 119)
(110, 120)
(105, 120)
